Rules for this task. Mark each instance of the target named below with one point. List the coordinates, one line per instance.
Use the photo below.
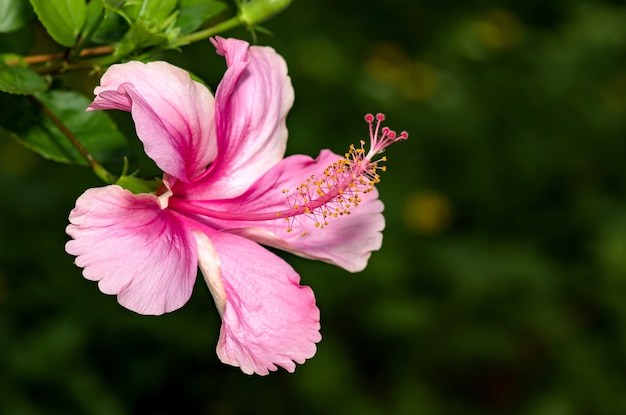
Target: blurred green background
(501, 284)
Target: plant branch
(67, 62)
(95, 166)
(48, 57)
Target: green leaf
(137, 185)
(95, 130)
(154, 10)
(13, 14)
(140, 35)
(92, 12)
(151, 22)
(63, 19)
(111, 28)
(114, 4)
(194, 13)
(16, 79)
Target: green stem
(211, 31)
(97, 168)
(84, 40)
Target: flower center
(332, 194)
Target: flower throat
(332, 194)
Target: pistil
(334, 193)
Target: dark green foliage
(13, 15)
(16, 79)
(501, 284)
(194, 13)
(63, 19)
(24, 120)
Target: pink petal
(174, 115)
(268, 319)
(252, 102)
(210, 268)
(134, 249)
(347, 241)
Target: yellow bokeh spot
(614, 94)
(428, 212)
(498, 29)
(16, 159)
(389, 63)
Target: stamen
(345, 181)
(337, 190)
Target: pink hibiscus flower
(226, 188)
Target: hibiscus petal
(252, 102)
(268, 319)
(347, 241)
(134, 249)
(174, 115)
(210, 267)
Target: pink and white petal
(347, 240)
(268, 318)
(252, 102)
(210, 268)
(135, 250)
(174, 115)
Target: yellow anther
(338, 190)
